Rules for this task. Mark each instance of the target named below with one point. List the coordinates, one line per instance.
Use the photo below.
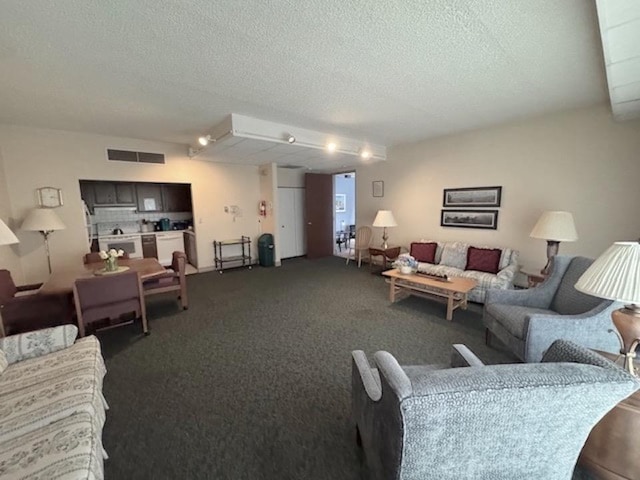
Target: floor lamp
(554, 227)
(7, 237)
(45, 221)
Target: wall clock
(50, 197)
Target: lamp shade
(615, 275)
(556, 226)
(7, 237)
(384, 218)
(42, 220)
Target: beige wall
(9, 258)
(580, 161)
(37, 157)
(291, 177)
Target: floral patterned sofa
(51, 406)
(490, 267)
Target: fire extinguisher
(263, 208)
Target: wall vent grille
(137, 157)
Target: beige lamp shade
(7, 237)
(556, 226)
(42, 220)
(384, 218)
(615, 275)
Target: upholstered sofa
(492, 268)
(51, 405)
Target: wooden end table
(611, 449)
(453, 292)
(534, 277)
(389, 253)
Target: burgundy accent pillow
(483, 259)
(424, 252)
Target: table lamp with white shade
(7, 237)
(384, 219)
(45, 221)
(554, 227)
(615, 275)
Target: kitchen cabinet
(149, 246)
(190, 248)
(149, 197)
(107, 193)
(88, 194)
(176, 197)
(125, 194)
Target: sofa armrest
(370, 379)
(508, 272)
(461, 356)
(592, 329)
(40, 342)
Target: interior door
(318, 202)
(298, 205)
(286, 216)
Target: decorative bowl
(406, 270)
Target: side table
(611, 449)
(389, 253)
(533, 277)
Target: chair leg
(359, 258)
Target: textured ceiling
(383, 71)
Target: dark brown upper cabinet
(149, 197)
(176, 197)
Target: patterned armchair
(524, 421)
(528, 321)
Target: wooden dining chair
(174, 280)
(109, 297)
(361, 244)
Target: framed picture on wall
(378, 188)
(472, 197)
(487, 219)
(341, 202)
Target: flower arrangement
(111, 259)
(405, 263)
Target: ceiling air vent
(139, 157)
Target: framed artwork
(378, 188)
(341, 202)
(487, 219)
(472, 197)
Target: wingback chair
(24, 309)
(108, 297)
(174, 280)
(524, 421)
(528, 321)
(360, 245)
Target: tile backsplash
(130, 221)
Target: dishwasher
(167, 243)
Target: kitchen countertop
(112, 236)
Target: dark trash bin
(266, 250)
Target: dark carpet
(253, 381)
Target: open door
(319, 214)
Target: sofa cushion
(454, 254)
(40, 342)
(483, 259)
(568, 300)
(439, 269)
(69, 448)
(514, 318)
(424, 252)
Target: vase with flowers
(110, 258)
(406, 264)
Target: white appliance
(132, 244)
(167, 243)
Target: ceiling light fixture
(364, 153)
(331, 147)
(204, 141)
(290, 138)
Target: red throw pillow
(424, 252)
(483, 259)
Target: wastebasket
(265, 250)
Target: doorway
(344, 216)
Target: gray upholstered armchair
(525, 421)
(528, 321)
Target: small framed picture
(378, 188)
(472, 197)
(487, 219)
(341, 202)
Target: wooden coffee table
(453, 292)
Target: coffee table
(453, 292)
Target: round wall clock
(50, 197)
